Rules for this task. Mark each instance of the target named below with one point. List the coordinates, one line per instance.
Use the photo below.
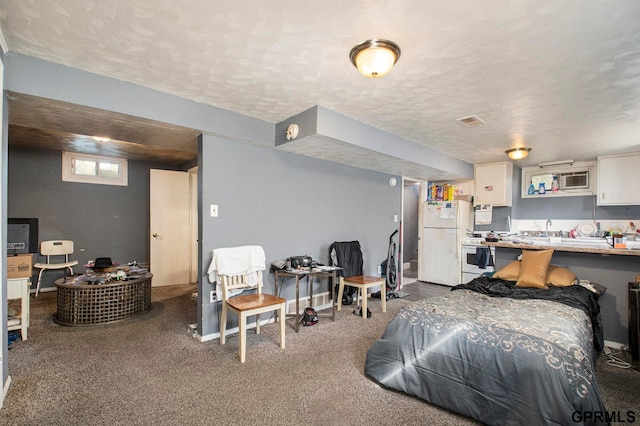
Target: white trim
(5, 390)
(614, 345)
(320, 302)
(68, 174)
(290, 309)
(43, 290)
(233, 330)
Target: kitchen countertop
(559, 247)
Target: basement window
(86, 168)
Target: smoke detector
(470, 121)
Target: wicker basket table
(90, 304)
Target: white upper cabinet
(494, 184)
(618, 180)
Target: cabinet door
(618, 177)
(493, 184)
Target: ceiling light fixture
(375, 58)
(518, 153)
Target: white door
(169, 227)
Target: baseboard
(320, 301)
(614, 345)
(42, 289)
(233, 330)
(5, 390)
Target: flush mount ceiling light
(375, 58)
(518, 153)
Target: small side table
(18, 288)
(331, 278)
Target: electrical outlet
(212, 296)
(379, 269)
(214, 210)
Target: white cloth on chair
(243, 260)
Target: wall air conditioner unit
(574, 180)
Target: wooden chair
(247, 305)
(362, 283)
(348, 256)
(56, 248)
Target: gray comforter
(496, 359)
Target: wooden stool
(362, 283)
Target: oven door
(469, 264)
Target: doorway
(410, 229)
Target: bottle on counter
(532, 189)
(554, 184)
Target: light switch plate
(214, 210)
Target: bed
(498, 353)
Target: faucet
(547, 225)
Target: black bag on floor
(309, 317)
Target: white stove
(470, 268)
(472, 241)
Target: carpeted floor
(149, 370)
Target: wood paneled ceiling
(54, 125)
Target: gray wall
(104, 220)
(573, 208)
(312, 201)
(290, 205)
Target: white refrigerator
(444, 224)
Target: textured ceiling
(561, 77)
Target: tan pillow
(533, 268)
(508, 272)
(560, 277)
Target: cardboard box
(463, 197)
(19, 266)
